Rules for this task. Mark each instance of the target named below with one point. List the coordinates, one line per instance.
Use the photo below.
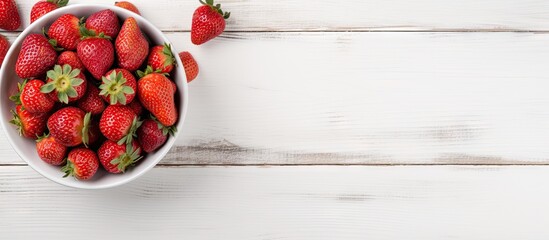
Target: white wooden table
(359, 119)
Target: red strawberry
(9, 17)
(208, 22)
(174, 87)
(91, 101)
(29, 125)
(82, 163)
(31, 98)
(190, 65)
(131, 45)
(65, 84)
(136, 107)
(161, 58)
(156, 94)
(51, 151)
(4, 46)
(45, 6)
(94, 133)
(105, 22)
(117, 158)
(119, 87)
(70, 57)
(36, 57)
(128, 6)
(97, 55)
(70, 126)
(152, 135)
(119, 123)
(66, 31)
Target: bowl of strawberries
(92, 95)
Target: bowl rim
(182, 85)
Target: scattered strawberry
(51, 151)
(136, 107)
(118, 87)
(29, 125)
(119, 124)
(30, 97)
(45, 6)
(91, 101)
(65, 84)
(128, 6)
(65, 32)
(131, 46)
(9, 17)
(70, 126)
(105, 22)
(152, 135)
(82, 163)
(4, 47)
(161, 58)
(117, 158)
(156, 94)
(190, 65)
(97, 55)
(208, 22)
(36, 57)
(70, 57)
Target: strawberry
(161, 58)
(97, 55)
(82, 163)
(65, 84)
(190, 65)
(91, 101)
(71, 58)
(51, 151)
(118, 87)
(30, 97)
(29, 125)
(152, 134)
(45, 6)
(105, 22)
(156, 94)
(70, 126)
(136, 107)
(174, 87)
(94, 133)
(9, 19)
(131, 46)
(117, 158)
(36, 57)
(65, 32)
(208, 22)
(119, 124)
(128, 6)
(4, 46)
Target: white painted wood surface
(317, 203)
(392, 83)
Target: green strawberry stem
(148, 71)
(127, 159)
(87, 33)
(39, 139)
(86, 129)
(216, 8)
(165, 130)
(59, 3)
(64, 81)
(17, 122)
(115, 88)
(68, 169)
(16, 98)
(132, 133)
(167, 51)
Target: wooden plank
(284, 203)
(365, 98)
(356, 15)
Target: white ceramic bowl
(26, 147)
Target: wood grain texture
(355, 15)
(365, 98)
(249, 203)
